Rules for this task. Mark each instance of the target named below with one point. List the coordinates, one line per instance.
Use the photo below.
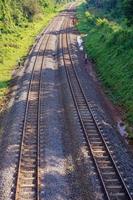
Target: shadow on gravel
(69, 30)
(66, 167)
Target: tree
(128, 10)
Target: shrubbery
(118, 8)
(110, 44)
(20, 22)
(18, 13)
(128, 10)
(30, 8)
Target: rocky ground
(65, 167)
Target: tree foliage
(106, 4)
(119, 7)
(128, 10)
(16, 13)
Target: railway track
(112, 184)
(27, 180)
(28, 169)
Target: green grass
(110, 44)
(14, 46)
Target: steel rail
(97, 126)
(38, 124)
(83, 127)
(27, 61)
(25, 119)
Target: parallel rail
(28, 169)
(113, 185)
(27, 182)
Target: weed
(16, 41)
(110, 44)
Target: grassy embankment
(15, 40)
(110, 44)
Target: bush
(110, 44)
(18, 13)
(128, 10)
(31, 8)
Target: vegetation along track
(112, 184)
(27, 180)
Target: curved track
(112, 184)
